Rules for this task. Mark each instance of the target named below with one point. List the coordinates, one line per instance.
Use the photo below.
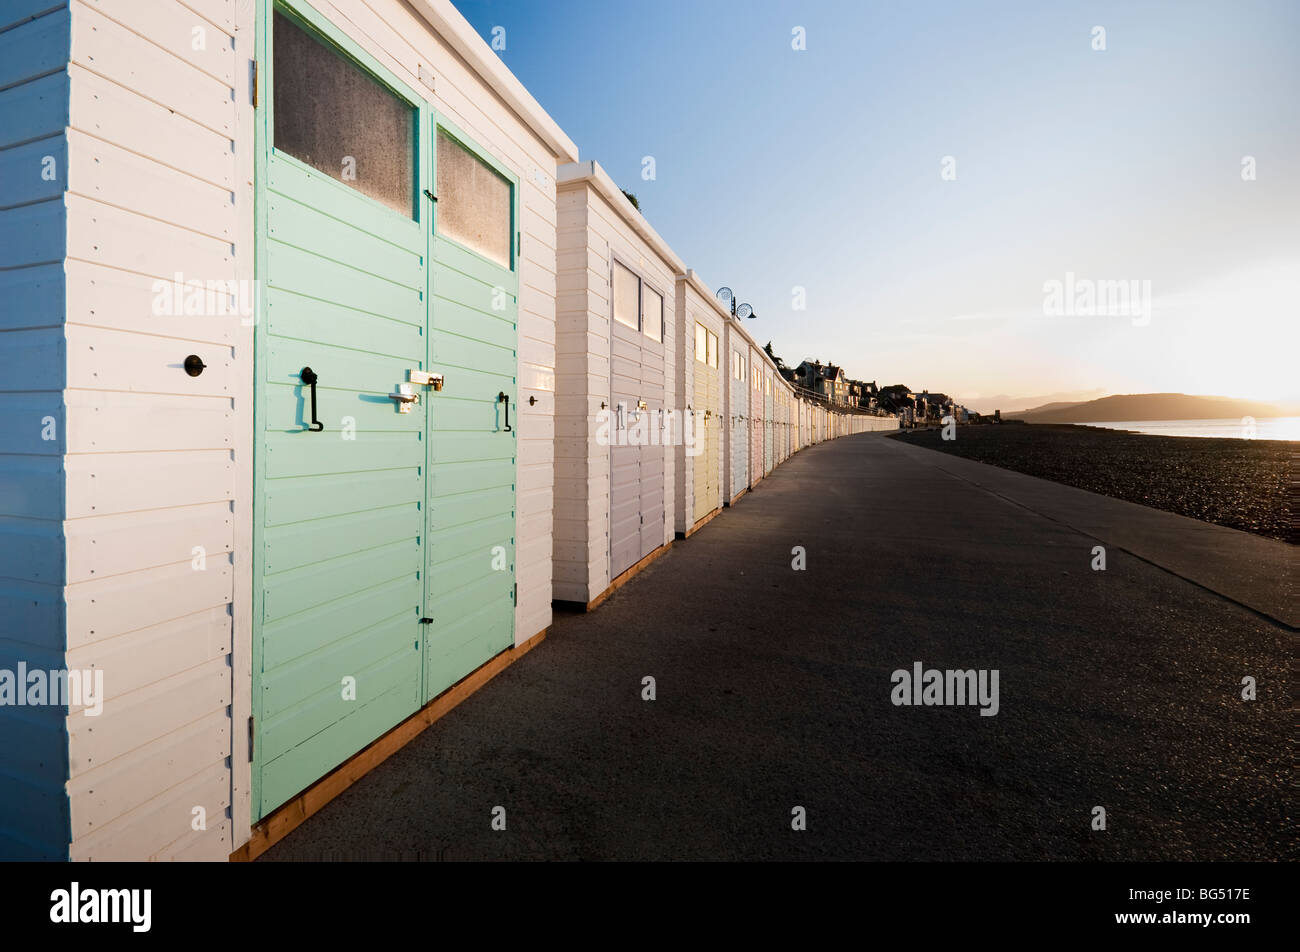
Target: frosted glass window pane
(334, 116)
(474, 202)
(652, 321)
(713, 349)
(627, 297)
(699, 342)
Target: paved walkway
(1118, 689)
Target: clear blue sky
(820, 169)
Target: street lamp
(742, 311)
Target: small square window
(339, 119)
(475, 204)
(652, 314)
(627, 297)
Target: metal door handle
(503, 398)
(404, 401)
(308, 376)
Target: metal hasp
(424, 378)
(308, 376)
(503, 398)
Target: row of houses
(830, 383)
(917, 407)
(330, 369)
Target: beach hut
(292, 330)
(782, 450)
(616, 387)
(768, 418)
(738, 388)
(701, 373)
(757, 367)
(786, 398)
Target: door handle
(308, 376)
(502, 397)
(404, 400)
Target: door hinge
(514, 596)
(519, 244)
(252, 737)
(426, 621)
(254, 64)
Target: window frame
(439, 124)
(340, 44)
(643, 283)
(614, 265)
(663, 308)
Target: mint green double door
(384, 507)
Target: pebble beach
(1243, 484)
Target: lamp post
(743, 311)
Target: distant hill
(1151, 406)
(1021, 404)
(1048, 407)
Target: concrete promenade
(1118, 688)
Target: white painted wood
(101, 795)
(147, 655)
(150, 829)
(135, 719)
(137, 62)
(100, 296)
(175, 28)
(125, 179)
(595, 226)
(100, 547)
(234, 833)
(153, 454)
(122, 239)
(119, 604)
(116, 114)
(161, 182)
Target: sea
(1251, 428)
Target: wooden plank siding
(396, 35)
(34, 41)
(702, 387)
(127, 484)
(157, 105)
(157, 460)
(596, 227)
